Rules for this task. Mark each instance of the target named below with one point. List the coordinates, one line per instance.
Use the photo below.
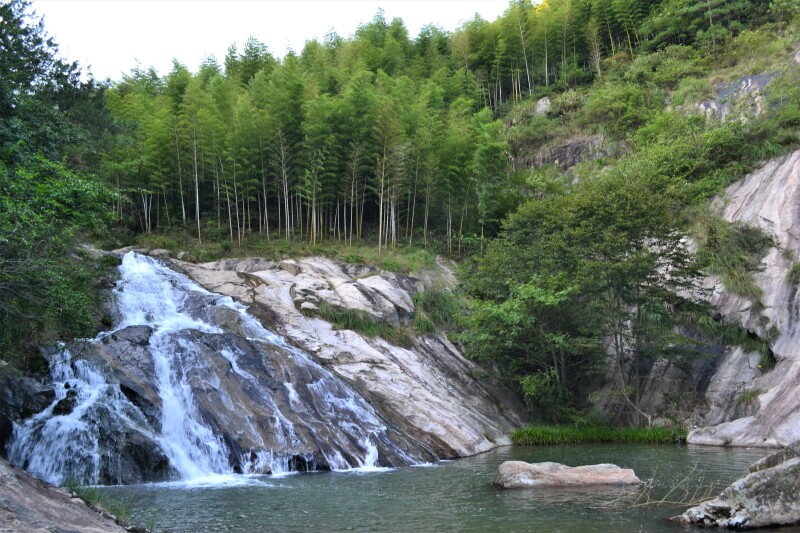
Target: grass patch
(436, 310)
(361, 322)
(793, 276)
(732, 252)
(403, 259)
(552, 435)
(748, 396)
(100, 497)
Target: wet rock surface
(427, 391)
(769, 495)
(519, 474)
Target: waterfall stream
(214, 394)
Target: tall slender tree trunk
(196, 179)
(524, 51)
(180, 176)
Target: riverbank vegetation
(558, 435)
(561, 153)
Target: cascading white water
(65, 447)
(151, 295)
(323, 413)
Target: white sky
(115, 36)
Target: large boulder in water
(769, 495)
(519, 474)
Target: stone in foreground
(519, 474)
(765, 497)
(30, 505)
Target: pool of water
(449, 496)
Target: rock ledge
(767, 496)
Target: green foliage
(793, 276)
(733, 252)
(665, 68)
(748, 396)
(48, 287)
(619, 108)
(560, 435)
(363, 323)
(732, 333)
(436, 310)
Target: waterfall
(234, 396)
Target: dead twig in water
(680, 495)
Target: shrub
(732, 252)
(620, 108)
(793, 276)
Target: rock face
(190, 385)
(519, 474)
(767, 496)
(767, 198)
(20, 397)
(426, 391)
(30, 505)
(730, 395)
(740, 99)
(563, 154)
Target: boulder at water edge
(30, 505)
(769, 495)
(519, 474)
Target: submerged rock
(767, 496)
(519, 474)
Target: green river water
(450, 496)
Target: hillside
(567, 154)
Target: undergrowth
(404, 259)
(361, 322)
(733, 252)
(554, 435)
(100, 497)
(436, 310)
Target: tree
(608, 267)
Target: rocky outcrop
(565, 154)
(767, 198)
(739, 100)
(28, 504)
(519, 474)
(20, 397)
(427, 391)
(769, 495)
(731, 397)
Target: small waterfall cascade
(215, 394)
(63, 443)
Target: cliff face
(770, 199)
(731, 396)
(428, 390)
